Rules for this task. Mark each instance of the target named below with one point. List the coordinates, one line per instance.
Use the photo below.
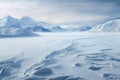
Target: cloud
(89, 12)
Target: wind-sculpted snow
(73, 61)
(10, 69)
(111, 76)
(82, 57)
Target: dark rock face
(44, 72)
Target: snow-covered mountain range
(10, 26)
(110, 26)
(23, 26)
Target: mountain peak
(27, 21)
(7, 17)
(9, 21)
(109, 26)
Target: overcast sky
(87, 12)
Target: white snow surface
(61, 56)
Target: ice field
(61, 56)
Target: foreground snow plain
(61, 56)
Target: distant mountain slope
(28, 22)
(10, 26)
(9, 21)
(37, 29)
(50, 27)
(76, 28)
(110, 26)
